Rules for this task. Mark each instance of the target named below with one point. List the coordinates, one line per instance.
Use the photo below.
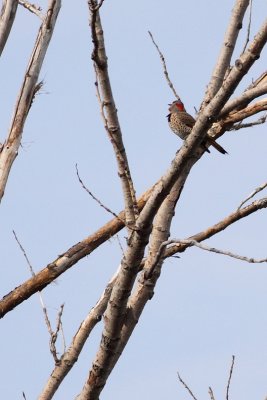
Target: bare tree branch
(121, 301)
(7, 17)
(259, 81)
(186, 387)
(78, 251)
(249, 26)
(65, 261)
(32, 8)
(244, 99)
(212, 397)
(70, 357)
(240, 125)
(255, 191)
(240, 115)
(164, 66)
(226, 52)
(94, 197)
(219, 227)
(53, 334)
(230, 377)
(227, 123)
(109, 112)
(144, 289)
(27, 92)
(203, 247)
(24, 254)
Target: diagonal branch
(164, 66)
(230, 377)
(94, 197)
(65, 261)
(226, 52)
(27, 92)
(219, 227)
(186, 386)
(32, 8)
(236, 116)
(244, 99)
(255, 191)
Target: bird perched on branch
(181, 123)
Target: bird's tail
(212, 142)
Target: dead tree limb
(7, 17)
(28, 90)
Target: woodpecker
(181, 123)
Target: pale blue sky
(206, 307)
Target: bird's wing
(187, 119)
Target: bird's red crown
(180, 105)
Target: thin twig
(186, 387)
(164, 66)
(24, 253)
(53, 335)
(249, 26)
(240, 125)
(224, 252)
(33, 8)
(191, 242)
(230, 377)
(95, 198)
(257, 190)
(211, 394)
(120, 244)
(24, 396)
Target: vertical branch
(27, 92)
(109, 112)
(8, 13)
(227, 49)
